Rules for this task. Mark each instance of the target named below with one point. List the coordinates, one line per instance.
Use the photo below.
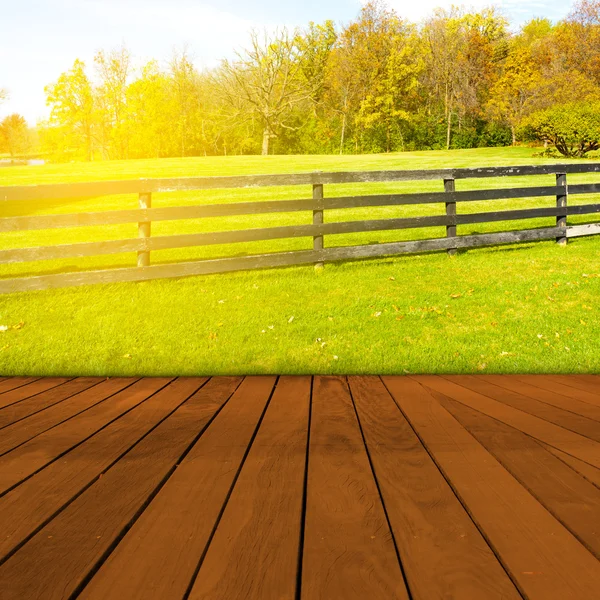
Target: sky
(40, 39)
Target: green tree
(573, 129)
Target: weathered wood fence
(144, 244)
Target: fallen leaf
(126, 355)
(455, 295)
(335, 357)
(377, 314)
(481, 366)
(290, 319)
(392, 278)
(3, 327)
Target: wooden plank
(587, 383)
(584, 188)
(549, 383)
(254, 552)
(59, 559)
(511, 382)
(432, 530)
(573, 500)
(509, 215)
(583, 209)
(273, 260)
(165, 242)
(450, 187)
(43, 401)
(543, 558)
(159, 555)
(348, 548)
(561, 202)
(104, 188)
(116, 217)
(45, 448)
(262, 207)
(31, 389)
(11, 383)
(144, 228)
(30, 505)
(592, 474)
(581, 230)
(18, 433)
(317, 217)
(568, 420)
(574, 444)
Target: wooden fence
(144, 244)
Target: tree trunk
(514, 135)
(448, 130)
(343, 134)
(265, 142)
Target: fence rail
(319, 204)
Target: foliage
(573, 129)
(460, 79)
(14, 135)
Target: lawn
(527, 308)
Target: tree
(113, 70)
(14, 135)
(573, 129)
(70, 130)
(149, 118)
(265, 82)
(513, 94)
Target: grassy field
(526, 308)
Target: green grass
(526, 308)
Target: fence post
(561, 202)
(318, 218)
(449, 186)
(143, 256)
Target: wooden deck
(470, 487)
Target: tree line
(459, 79)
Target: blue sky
(40, 39)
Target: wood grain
(573, 500)
(592, 474)
(160, 553)
(543, 558)
(29, 505)
(43, 401)
(510, 382)
(20, 432)
(563, 418)
(433, 532)
(254, 552)
(558, 386)
(38, 386)
(11, 383)
(58, 559)
(348, 547)
(567, 441)
(24, 461)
